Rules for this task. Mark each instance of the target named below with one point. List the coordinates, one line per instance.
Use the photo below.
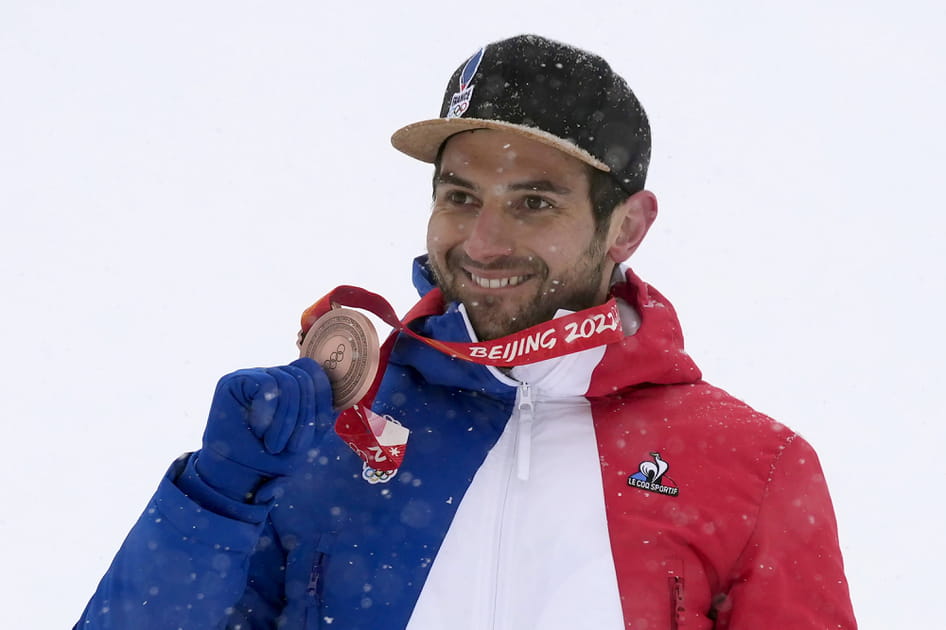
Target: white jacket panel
(529, 545)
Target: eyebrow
(536, 185)
(540, 185)
(450, 179)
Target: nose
(490, 235)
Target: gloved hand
(262, 424)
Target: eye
(534, 202)
(459, 197)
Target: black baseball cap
(550, 92)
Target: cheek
(561, 247)
(445, 232)
(567, 249)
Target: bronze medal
(345, 343)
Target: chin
(499, 324)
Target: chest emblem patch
(652, 477)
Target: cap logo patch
(651, 477)
(461, 100)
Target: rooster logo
(651, 476)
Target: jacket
(609, 488)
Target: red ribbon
(362, 429)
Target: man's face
(512, 234)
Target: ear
(629, 224)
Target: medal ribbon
(579, 331)
(370, 435)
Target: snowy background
(179, 180)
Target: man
(605, 487)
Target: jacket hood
(651, 354)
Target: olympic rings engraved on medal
(335, 358)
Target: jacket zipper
(524, 441)
(520, 467)
(676, 601)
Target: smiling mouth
(497, 283)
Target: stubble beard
(493, 318)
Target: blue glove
(263, 423)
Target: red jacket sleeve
(790, 575)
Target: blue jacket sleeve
(185, 563)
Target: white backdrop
(178, 180)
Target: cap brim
(422, 140)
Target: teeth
(497, 283)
